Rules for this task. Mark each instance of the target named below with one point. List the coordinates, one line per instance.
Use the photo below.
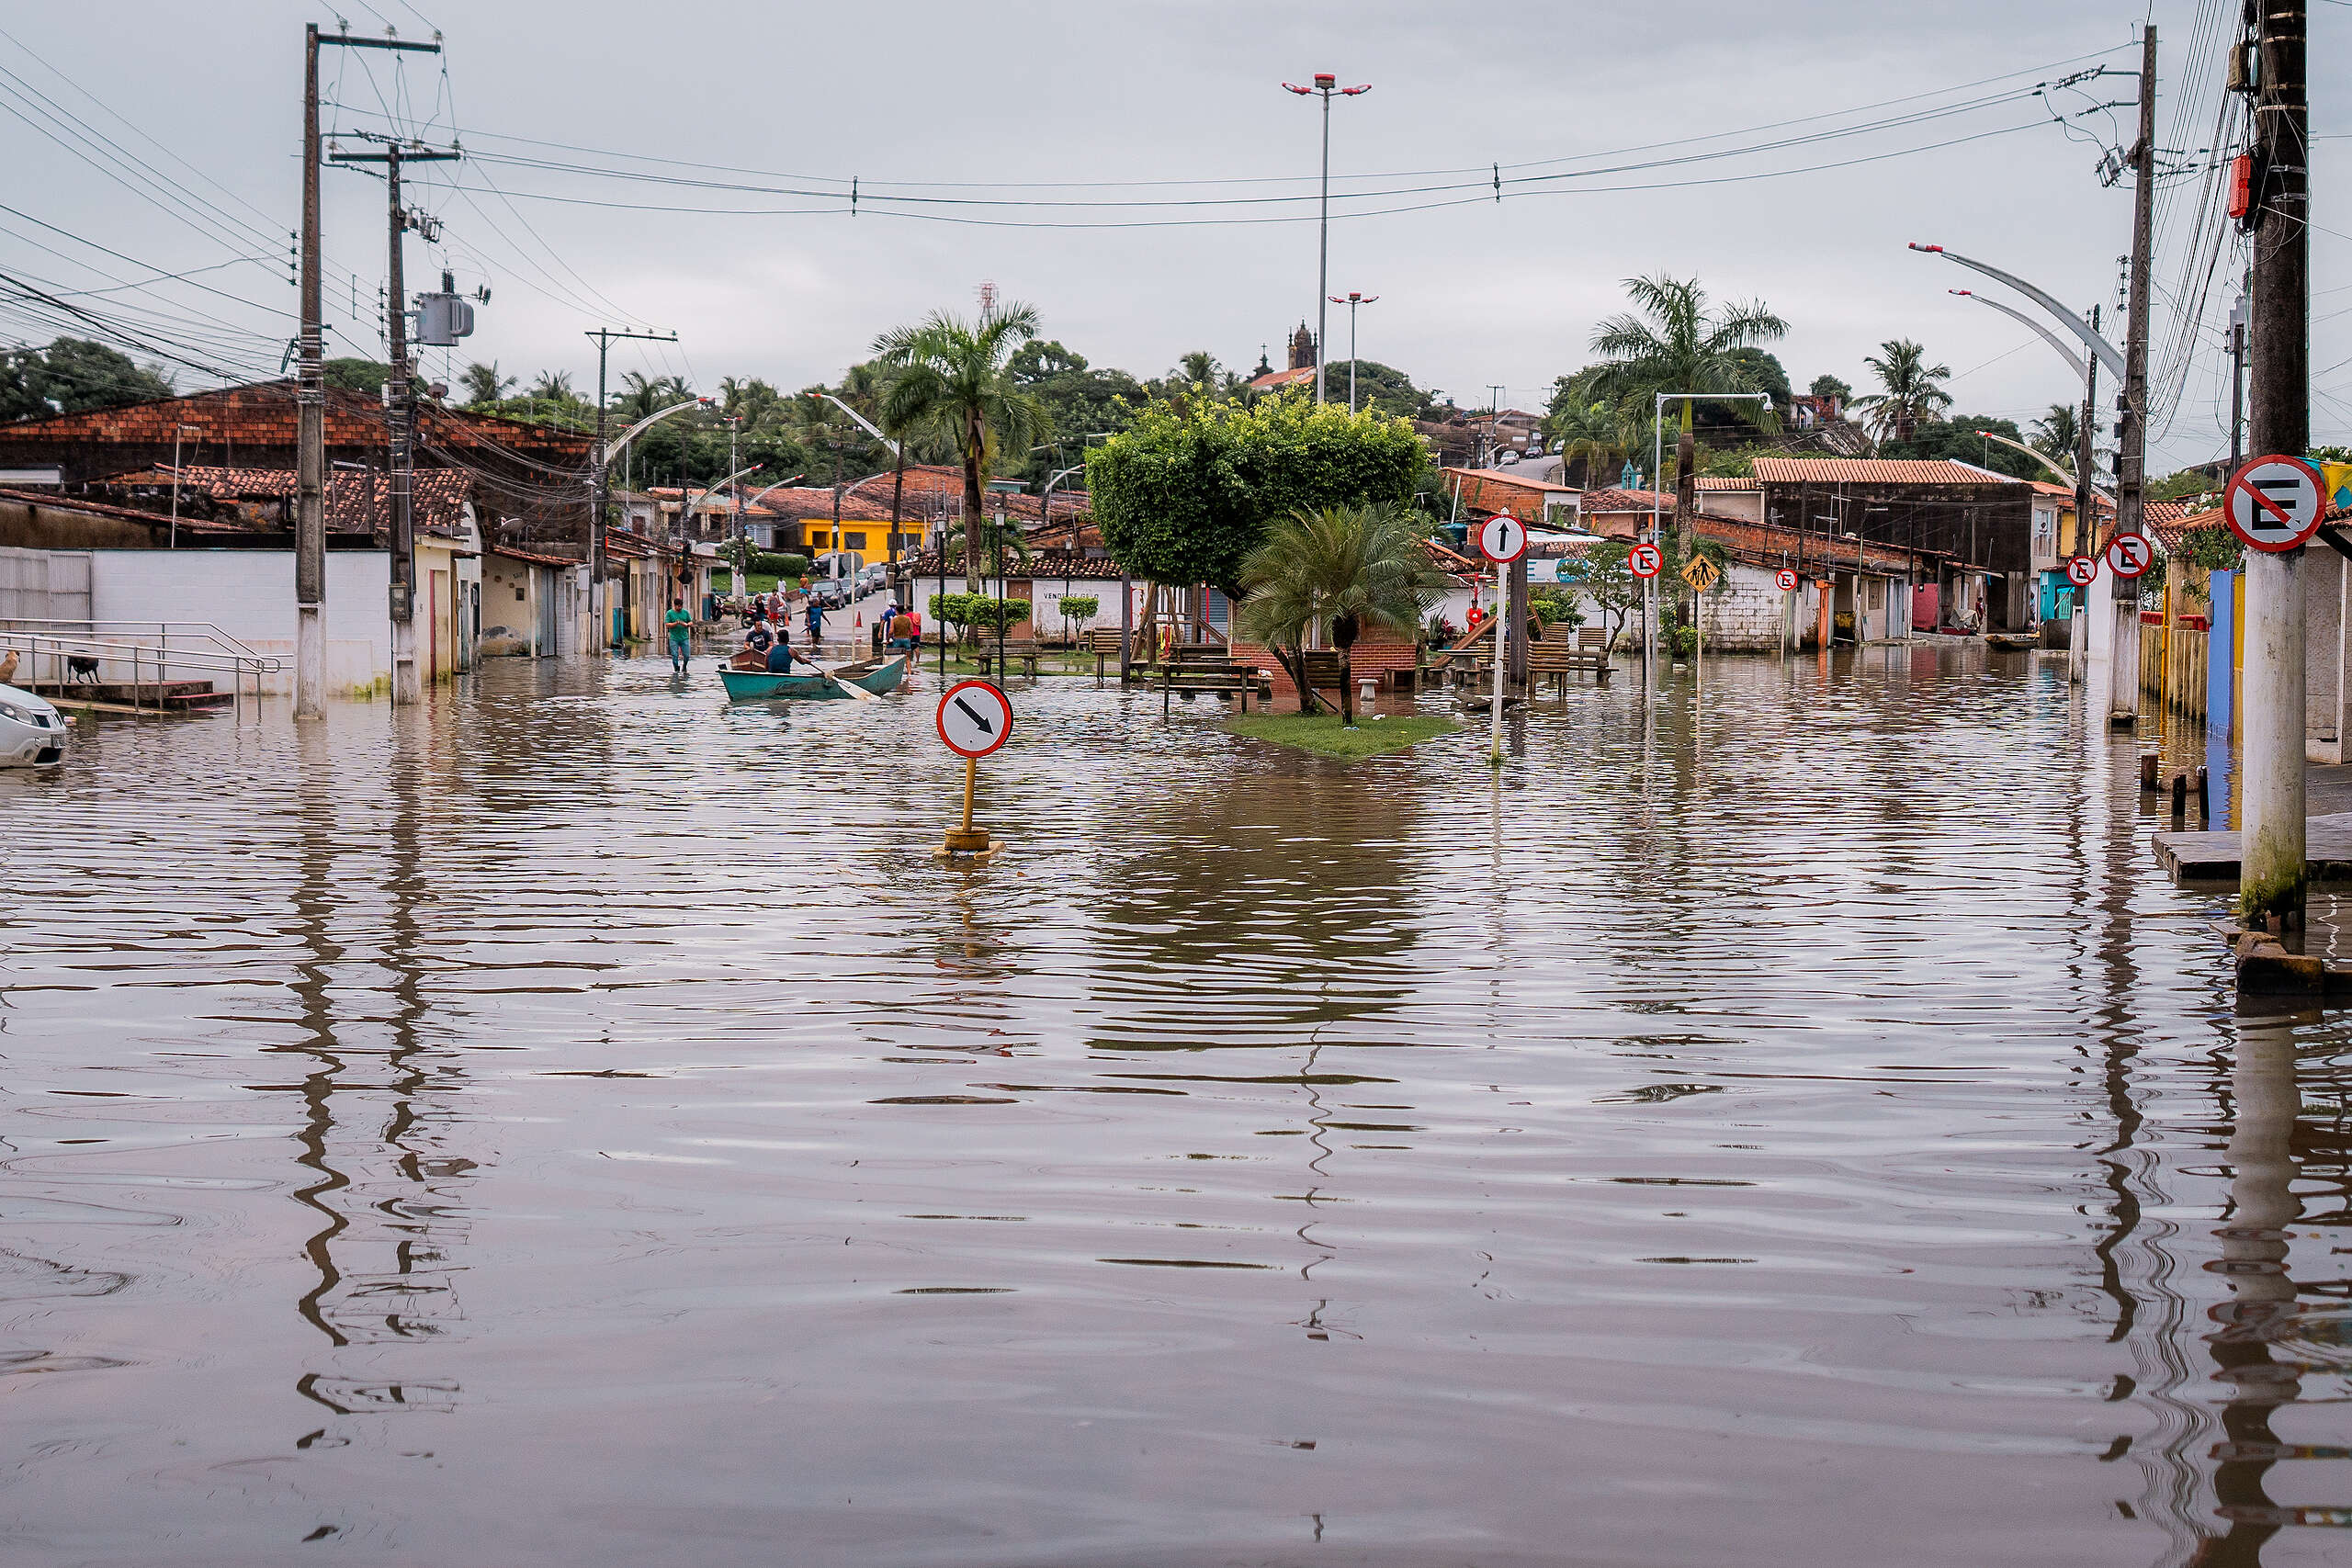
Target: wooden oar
(860, 692)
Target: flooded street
(578, 1123)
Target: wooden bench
(1021, 651)
(1206, 675)
(1106, 646)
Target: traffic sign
(974, 719)
(2275, 504)
(1644, 560)
(2082, 572)
(1786, 578)
(1701, 574)
(1502, 538)
(2128, 555)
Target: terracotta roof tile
(1873, 470)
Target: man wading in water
(681, 626)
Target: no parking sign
(1786, 579)
(2082, 572)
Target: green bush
(975, 613)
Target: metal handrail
(166, 630)
(60, 649)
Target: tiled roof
(51, 502)
(356, 504)
(264, 414)
(1273, 379)
(1725, 481)
(1595, 501)
(1872, 470)
(1046, 565)
(535, 558)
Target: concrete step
(172, 695)
(2213, 856)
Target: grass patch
(1323, 735)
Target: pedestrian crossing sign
(1701, 574)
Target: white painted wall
(250, 595)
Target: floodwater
(580, 1124)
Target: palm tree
(2058, 433)
(953, 375)
(484, 386)
(1913, 390)
(1342, 570)
(1680, 347)
(1596, 431)
(553, 387)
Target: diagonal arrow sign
(974, 715)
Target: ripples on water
(580, 1124)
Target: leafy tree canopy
(1079, 400)
(1957, 439)
(357, 375)
(1185, 495)
(71, 375)
(1828, 385)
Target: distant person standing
(681, 628)
(816, 623)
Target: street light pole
(1326, 84)
(1352, 303)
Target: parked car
(31, 733)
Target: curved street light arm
(612, 448)
(2067, 319)
(762, 496)
(2068, 355)
(862, 423)
(2040, 457)
(687, 503)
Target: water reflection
(372, 1133)
(2269, 1341)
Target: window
(852, 541)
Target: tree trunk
(1344, 637)
(1294, 661)
(972, 502)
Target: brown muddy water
(581, 1124)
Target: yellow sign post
(1701, 574)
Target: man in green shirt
(679, 624)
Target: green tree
(1828, 385)
(1077, 607)
(1185, 496)
(1671, 342)
(72, 375)
(1081, 400)
(1342, 570)
(1911, 390)
(1959, 439)
(953, 376)
(485, 388)
(1594, 432)
(349, 375)
(2059, 433)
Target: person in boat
(753, 654)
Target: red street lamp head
(1931, 250)
(1966, 294)
(1325, 80)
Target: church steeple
(1302, 348)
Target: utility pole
(2271, 855)
(600, 480)
(1326, 84)
(400, 407)
(2086, 498)
(2131, 434)
(310, 398)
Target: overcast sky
(1087, 103)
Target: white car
(31, 733)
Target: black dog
(81, 671)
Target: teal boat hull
(759, 686)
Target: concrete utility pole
(1326, 84)
(600, 482)
(2086, 498)
(2131, 439)
(400, 409)
(2271, 856)
(310, 398)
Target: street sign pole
(2274, 504)
(974, 719)
(1502, 540)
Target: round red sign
(1644, 560)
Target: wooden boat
(874, 675)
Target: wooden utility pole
(311, 429)
(2131, 435)
(2271, 854)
